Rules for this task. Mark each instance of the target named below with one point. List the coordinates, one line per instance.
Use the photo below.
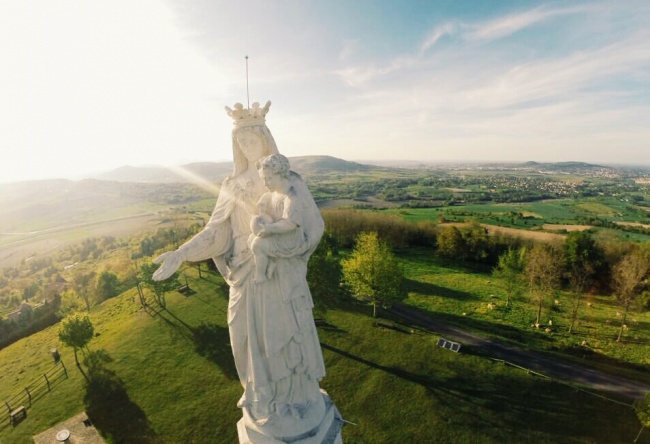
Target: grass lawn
(461, 293)
(172, 377)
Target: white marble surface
(274, 340)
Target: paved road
(609, 385)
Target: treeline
(345, 226)
(471, 242)
(467, 242)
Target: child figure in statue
(276, 231)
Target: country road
(606, 384)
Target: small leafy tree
(82, 285)
(642, 408)
(76, 332)
(628, 277)
(450, 243)
(324, 274)
(373, 273)
(159, 288)
(583, 259)
(543, 271)
(476, 242)
(70, 303)
(107, 286)
(510, 270)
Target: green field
(461, 295)
(173, 378)
(533, 215)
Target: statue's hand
(171, 260)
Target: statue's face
(273, 182)
(251, 145)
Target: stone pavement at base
(80, 433)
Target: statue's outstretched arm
(213, 241)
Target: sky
(88, 86)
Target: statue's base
(320, 424)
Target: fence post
(9, 413)
(142, 301)
(48, 382)
(64, 369)
(29, 395)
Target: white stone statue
(261, 239)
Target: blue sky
(90, 86)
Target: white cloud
(504, 26)
(563, 76)
(436, 34)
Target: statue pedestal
(320, 424)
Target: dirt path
(608, 385)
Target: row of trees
(456, 241)
(577, 265)
(581, 264)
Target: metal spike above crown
(252, 116)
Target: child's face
(273, 182)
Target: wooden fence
(18, 404)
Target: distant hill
(215, 172)
(210, 171)
(565, 166)
(324, 164)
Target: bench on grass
(17, 415)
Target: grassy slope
(177, 381)
(461, 295)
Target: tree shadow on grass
(209, 339)
(109, 407)
(425, 257)
(427, 289)
(486, 403)
(212, 341)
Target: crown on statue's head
(253, 116)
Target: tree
(324, 274)
(82, 285)
(450, 243)
(373, 273)
(76, 332)
(159, 288)
(628, 276)
(108, 285)
(583, 260)
(642, 408)
(510, 270)
(475, 242)
(543, 271)
(70, 303)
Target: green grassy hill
(171, 379)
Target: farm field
(549, 216)
(176, 380)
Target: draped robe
(274, 340)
